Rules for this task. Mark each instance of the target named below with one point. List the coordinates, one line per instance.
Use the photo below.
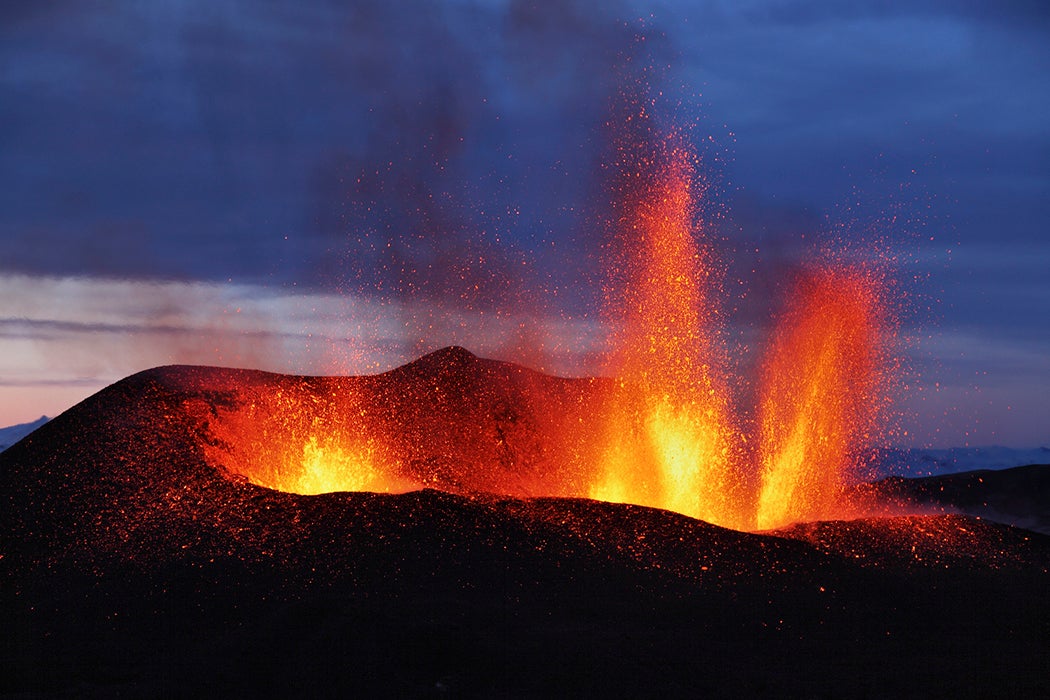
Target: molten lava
(681, 453)
(672, 439)
(665, 432)
(305, 438)
(820, 396)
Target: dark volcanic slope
(1019, 496)
(132, 566)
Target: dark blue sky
(451, 153)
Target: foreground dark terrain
(131, 566)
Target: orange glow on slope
(669, 441)
(299, 440)
(819, 397)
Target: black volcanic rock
(131, 565)
(1019, 496)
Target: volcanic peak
(451, 359)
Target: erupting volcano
(823, 387)
(138, 555)
(671, 441)
(662, 431)
(469, 526)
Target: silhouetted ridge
(458, 366)
(1018, 496)
(451, 356)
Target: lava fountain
(672, 438)
(305, 437)
(822, 391)
(665, 431)
(681, 450)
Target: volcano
(141, 556)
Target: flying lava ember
(821, 386)
(664, 430)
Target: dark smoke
(484, 137)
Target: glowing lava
(666, 432)
(305, 439)
(821, 396)
(670, 439)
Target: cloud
(804, 12)
(72, 330)
(371, 146)
(484, 144)
(291, 143)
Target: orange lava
(665, 433)
(304, 440)
(671, 438)
(820, 397)
(670, 441)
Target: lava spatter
(821, 396)
(671, 439)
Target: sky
(338, 187)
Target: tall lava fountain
(673, 439)
(682, 453)
(822, 391)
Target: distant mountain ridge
(920, 462)
(12, 434)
